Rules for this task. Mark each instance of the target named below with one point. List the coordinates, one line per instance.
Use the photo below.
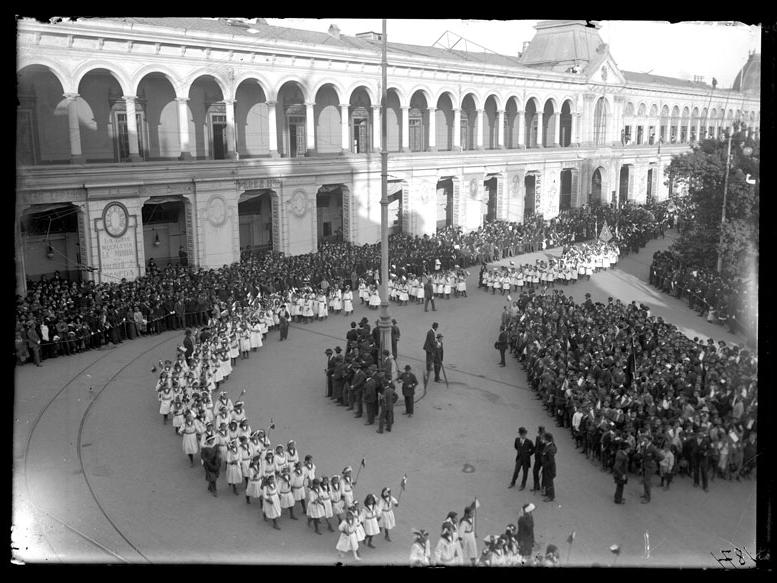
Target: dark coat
(549, 460)
(524, 451)
(525, 534)
(211, 461)
(409, 383)
(429, 343)
(620, 466)
(370, 390)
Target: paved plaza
(99, 478)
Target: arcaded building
(142, 138)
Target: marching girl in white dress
(271, 503)
(347, 300)
(269, 321)
(404, 297)
(308, 472)
(506, 282)
(307, 308)
(446, 288)
(348, 540)
(371, 514)
(222, 441)
(256, 335)
(315, 509)
(326, 497)
(245, 458)
(295, 308)
(489, 281)
(347, 486)
(419, 291)
(245, 342)
(284, 492)
(364, 295)
(254, 488)
(297, 480)
(358, 514)
(165, 403)
(461, 285)
(386, 506)
(234, 349)
(177, 409)
(392, 289)
(337, 304)
(469, 545)
(374, 299)
(279, 459)
(189, 432)
(439, 288)
(225, 365)
(338, 504)
(292, 455)
(331, 299)
(323, 310)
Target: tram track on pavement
(37, 420)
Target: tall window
(218, 127)
(600, 121)
(465, 145)
(416, 128)
(360, 124)
(640, 134)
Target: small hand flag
(403, 483)
(272, 423)
(647, 545)
(571, 537)
(615, 549)
(362, 463)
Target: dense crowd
(636, 394)
(60, 317)
(725, 300)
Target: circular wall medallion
(115, 219)
(217, 211)
(298, 203)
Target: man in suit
(429, 347)
(409, 383)
(371, 395)
(387, 399)
(549, 467)
(353, 334)
(526, 531)
(188, 344)
(394, 337)
(330, 370)
(699, 450)
(429, 295)
(501, 344)
(539, 446)
(650, 456)
(438, 351)
(524, 448)
(620, 470)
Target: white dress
(285, 495)
(374, 298)
(256, 336)
(385, 507)
(165, 402)
(337, 303)
(254, 488)
(371, 515)
(315, 506)
(234, 475)
(348, 301)
(272, 503)
(189, 439)
(348, 540)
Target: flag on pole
(403, 483)
(647, 545)
(605, 234)
(475, 505)
(362, 464)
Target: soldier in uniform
(387, 400)
(409, 383)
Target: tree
(702, 172)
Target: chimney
(334, 31)
(698, 78)
(369, 35)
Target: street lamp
(384, 323)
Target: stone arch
(428, 95)
(263, 83)
(166, 72)
(339, 91)
(226, 91)
(298, 81)
(491, 121)
(54, 68)
(82, 70)
(371, 92)
(515, 99)
(475, 98)
(642, 109)
(404, 98)
(497, 99)
(654, 110)
(451, 95)
(567, 99)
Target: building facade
(143, 138)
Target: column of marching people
(216, 428)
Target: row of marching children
(217, 429)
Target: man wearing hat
(211, 461)
(370, 395)
(526, 531)
(438, 353)
(330, 369)
(429, 347)
(409, 383)
(394, 337)
(620, 469)
(549, 467)
(525, 449)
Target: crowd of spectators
(619, 378)
(728, 301)
(59, 316)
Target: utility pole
(385, 320)
(725, 192)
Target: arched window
(600, 121)
(416, 128)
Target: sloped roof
(748, 79)
(280, 33)
(559, 44)
(648, 78)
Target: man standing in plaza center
(650, 457)
(409, 383)
(549, 467)
(524, 448)
(620, 469)
(429, 295)
(430, 345)
(539, 446)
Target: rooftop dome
(748, 80)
